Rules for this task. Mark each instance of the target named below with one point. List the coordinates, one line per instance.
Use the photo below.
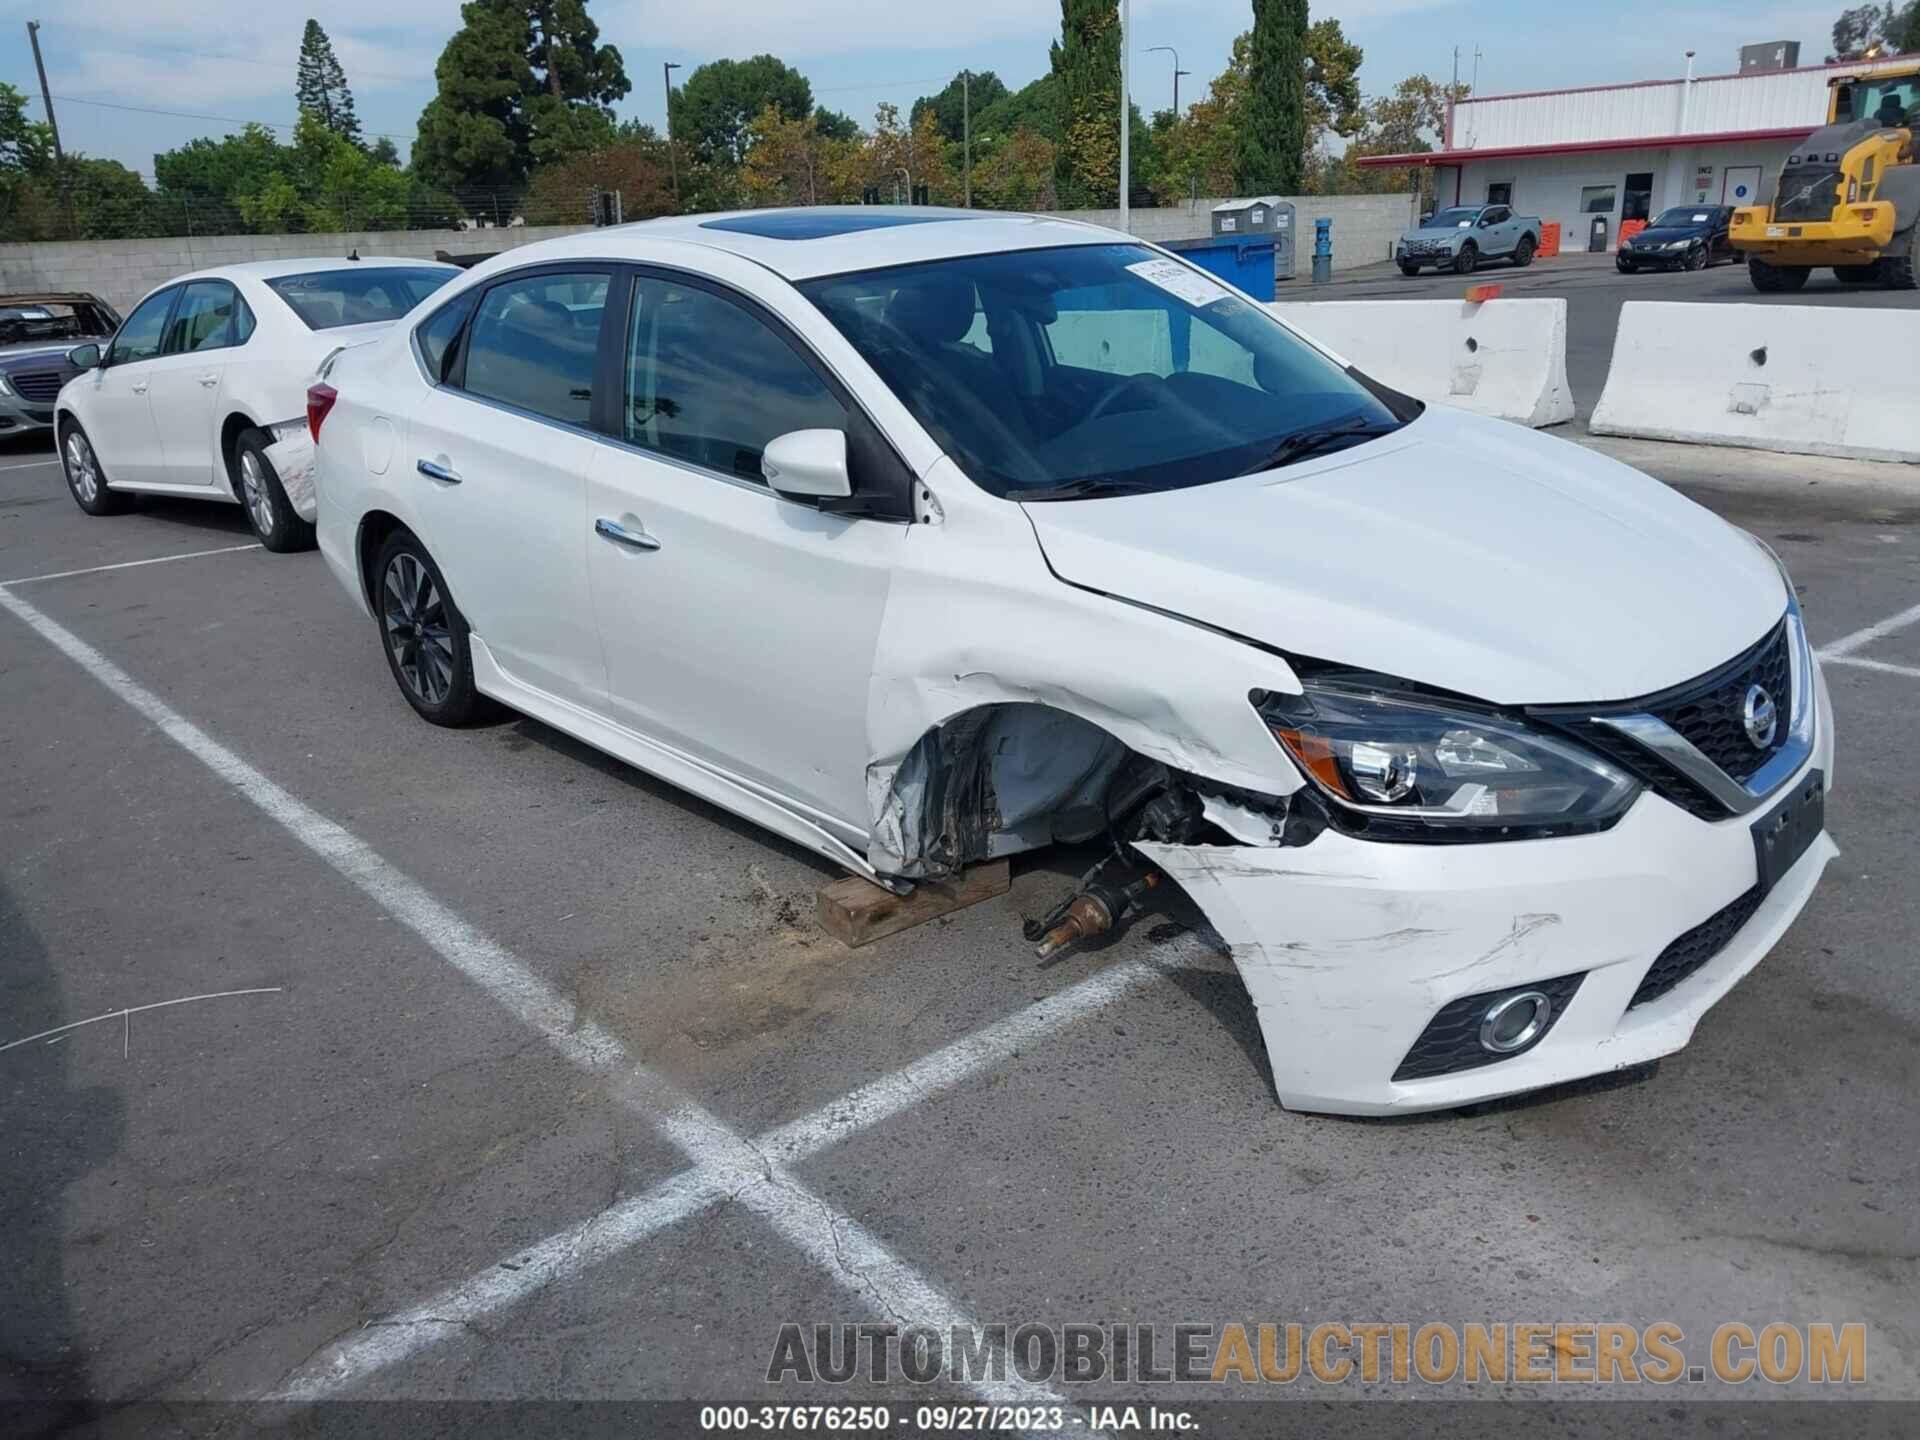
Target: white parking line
(628, 1223)
(29, 465)
(854, 1258)
(1882, 666)
(1847, 644)
(128, 565)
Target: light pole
(1177, 73)
(666, 73)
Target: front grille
(39, 386)
(1695, 948)
(1451, 1040)
(1807, 192)
(1709, 712)
(1712, 716)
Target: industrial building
(1596, 156)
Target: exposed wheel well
(375, 527)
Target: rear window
(362, 295)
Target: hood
(1463, 553)
(41, 350)
(1444, 232)
(1660, 235)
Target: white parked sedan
(921, 536)
(202, 391)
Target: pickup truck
(1461, 236)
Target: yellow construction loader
(1849, 194)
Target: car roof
(275, 269)
(803, 242)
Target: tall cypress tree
(1086, 70)
(1273, 124)
(320, 85)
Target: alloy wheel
(418, 634)
(83, 471)
(253, 488)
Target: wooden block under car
(857, 912)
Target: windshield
(1451, 219)
(1894, 101)
(1683, 218)
(1110, 365)
(47, 321)
(364, 295)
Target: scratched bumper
(1348, 947)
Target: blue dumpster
(1245, 261)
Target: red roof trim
(1863, 66)
(1429, 158)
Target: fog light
(1515, 1022)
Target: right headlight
(1400, 765)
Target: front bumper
(1349, 947)
(19, 416)
(1856, 235)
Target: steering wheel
(1133, 382)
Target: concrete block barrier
(1503, 358)
(1804, 379)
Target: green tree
(1272, 122)
(1034, 107)
(522, 82)
(1086, 69)
(1870, 29)
(715, 110)
(1406, 122)
(320, 85)
(26, 145)
(833, 125)
(950, 108)
(1333, 104)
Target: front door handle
(434, 470)
(209, 380)
(140, 387)
(623, 535)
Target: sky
(235, 58)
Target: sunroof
(816, 225)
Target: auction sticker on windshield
(1176, 279)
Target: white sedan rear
(202, 391)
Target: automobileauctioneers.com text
(1330, 1353)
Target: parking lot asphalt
(391, 1173)
(1594, 291)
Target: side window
(242, 321)
(140, 337)
(534, 344)
(710, 383)
(204, 318)
(438, 337)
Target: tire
(86, 478)
(257, 484)
(1696, 259)
(1625, 266)
(1776, 279)
(1409, 269)
(423, 634)
(1902, 272)
(1857, 274)
(1468, 260)
(1523, 253)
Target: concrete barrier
(1804, 379)
(1504, 358)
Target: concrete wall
(121, 271)
(1364, 226)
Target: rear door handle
(622, 535)
(140, 387)
(209, 380)
(433, 470)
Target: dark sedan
(36, 332)
(1688, 237)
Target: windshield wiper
(1087, 487)
(1302, 443)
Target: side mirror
(84, 357)
(809, 464)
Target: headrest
(933, 311)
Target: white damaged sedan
(921, 537)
